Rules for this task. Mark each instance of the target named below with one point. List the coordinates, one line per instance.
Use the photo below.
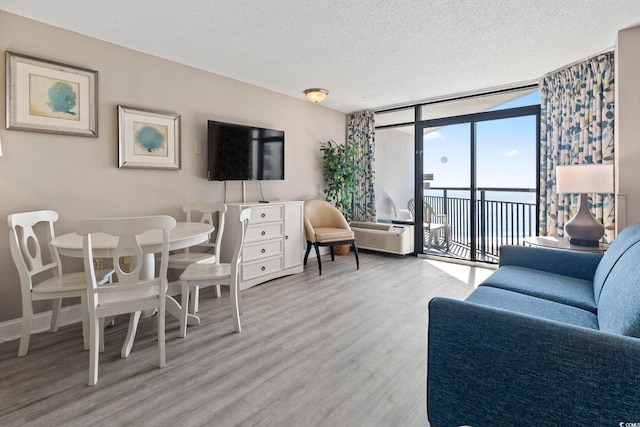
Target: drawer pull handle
(263, 250)
(264, 268)
(263, 215)
(286, 237)
(264, 232)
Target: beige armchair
(325, 226)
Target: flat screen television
(238, 152)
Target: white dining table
(185, 234)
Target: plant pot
(341, 250)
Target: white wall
(627, 127)
(78, 177)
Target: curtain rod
(564, 67)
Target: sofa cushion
(619, 305)
(533, 306)
(578, 264)
(627, 238)
(550, 286)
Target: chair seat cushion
(331, 234)
(542, 284)
(533, 306)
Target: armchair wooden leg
(306, 255)
(315, 245)
(333, 256)
(355, 251)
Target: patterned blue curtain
(360, 134)
(577, 115)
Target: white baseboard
(10, 330)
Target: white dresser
(274, 243)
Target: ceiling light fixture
(316, 94)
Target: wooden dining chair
(40, 278)
(220, 274)
(128, 293)
(206, 212)
(208, 252)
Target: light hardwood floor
(347, 348)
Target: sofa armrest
(581, 265)
(492, 367)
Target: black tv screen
(237, 152)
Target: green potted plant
(339, 169)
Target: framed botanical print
(47, 96)
(148, 139)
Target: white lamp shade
(578, 179)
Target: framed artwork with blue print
(148, 139)
(48, 96)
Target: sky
(506, 151)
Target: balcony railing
(502, 216)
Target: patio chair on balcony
(400, 214)
(433, 230)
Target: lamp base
(580, 242)
(583, 229)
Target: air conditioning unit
(391, 238)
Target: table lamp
(583, 229)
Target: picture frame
(51, 97)
(148, 138)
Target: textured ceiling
(368, 54)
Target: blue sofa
(552, 338)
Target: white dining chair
(209, 252)
(128, 293)
(220, 274)
(206, 212)
(42, 279)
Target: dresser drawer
(259, 268)
(261, 250)
(266, 213)
(268, 231)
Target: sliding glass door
(446, 183)
(476, 176)
(463, 171)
